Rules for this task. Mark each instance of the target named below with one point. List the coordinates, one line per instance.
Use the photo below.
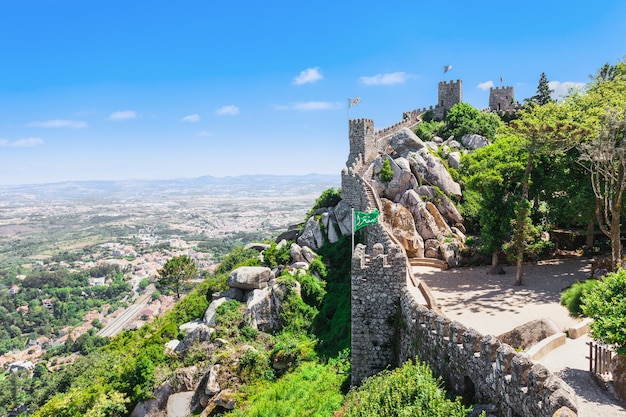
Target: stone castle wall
(481, 366)
(374, 305)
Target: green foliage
(428, 130)
(329, 198)
(254, 366)
(386, 173)
(312, 287)
(310, 390)
(332, 323)
(292, 348)
(605, 303)
(274, 256)
(463, 119)
(296, 315)
(318, 268)
(571, 297)
(238, 257)
(176, 272)
(543, 92)
(407, 391)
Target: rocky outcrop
(402, 179)
(403, 228)
(311, 235)
(264, 307)
(474, 141)
(428, 168)
(250, 277)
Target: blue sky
(137, 89)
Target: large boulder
(405, 141)
(156, 405)
(444, 205)
(451, 252)
(179, 404)
(250, 277)
(196, 332)
(208, 387)
(295, 252)
(311, 235)
(454, 160)
(430, 169)
(264, 306)
(343, 215)
(209, 314)
(330, 225)
(424, 221)
(403, 228)
(402, 179)
(530, 333)
(473, 141)
(439, 220)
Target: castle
(394, 317)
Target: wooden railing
(599, 358)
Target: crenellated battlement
(482, 366)
(501, 99)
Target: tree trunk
(589, 235)
(496, 268)
(616, 242)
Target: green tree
(464, 119)
(543, 92)
(605, 303)
(386, 173)
(605, 159)
(176, 272)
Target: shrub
(313, 291)
(386, 173)
(274, 256)
(407, 391)
(329, 198)
(571, 298)
(605, 303)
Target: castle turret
(449, 94)
(501, 98)
(362, 140)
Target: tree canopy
(176, 272)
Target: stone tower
(501, 98)
(449, 94)
(362, 140)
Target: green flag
(364, 219)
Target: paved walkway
(491, 304)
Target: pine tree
(543, 92)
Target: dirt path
(491, 304)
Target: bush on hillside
(329, 198)
(407, 391)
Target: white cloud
(22, 143)
(204, 133)
(122, 115)
(486, 85)
(390, 78)
(316, 105)
(192, 118)
(229, 110)
(309, 75)
(76, 124)
(562, 89)
(281, 107)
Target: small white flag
(447, 68)
(354, 101)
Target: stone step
(436, 263)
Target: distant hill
(237, 186)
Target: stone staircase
(432, 262)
